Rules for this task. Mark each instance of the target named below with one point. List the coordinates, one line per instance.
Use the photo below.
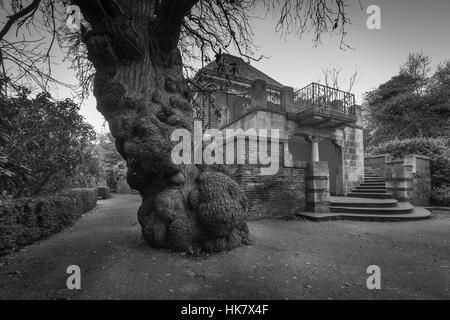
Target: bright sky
(406, 26)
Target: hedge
(104, 193)
(27, 220)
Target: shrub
(87, 197)
(26, 220)
(103, 192)
(441, 196)
(43, 144)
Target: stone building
(321, 138)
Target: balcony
(325, 107)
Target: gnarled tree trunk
(140, 90)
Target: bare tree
(136, 48)
(418, 67)
(334, 78)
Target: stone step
(362, 202)
(373, 177)
(379, 181)
(368, 187)
(370, 195)
(416, 214)
(375, 180)
(373, 184)
(372, 190)
(401, 208)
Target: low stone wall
(27, 220)
(407, 179)
(376, 164)
(421, 184)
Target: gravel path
(287, 260)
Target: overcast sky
(406, 26)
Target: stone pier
(317, 187)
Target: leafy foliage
(441, 196)
(27, 220)
(410, 104)
(113, 165)
(43, 143)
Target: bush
(438, 149)
(26, 220)
(441, 196)
(87, 197)
(103, 192)
(43, 144)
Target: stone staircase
(370, 201)
(373, 187)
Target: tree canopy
(411, 104)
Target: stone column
(317, 187)
(314, 149)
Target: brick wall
(278, 195)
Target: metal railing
(239, 108)
(324, 100)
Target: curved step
(370, 195)
(372, 190)
(401, 208)
(417, 213)
(362, 202)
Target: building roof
(243, 70)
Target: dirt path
(288, 260)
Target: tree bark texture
(141, 92)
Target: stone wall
(421, 184)
(351, 141)
(376, 164)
